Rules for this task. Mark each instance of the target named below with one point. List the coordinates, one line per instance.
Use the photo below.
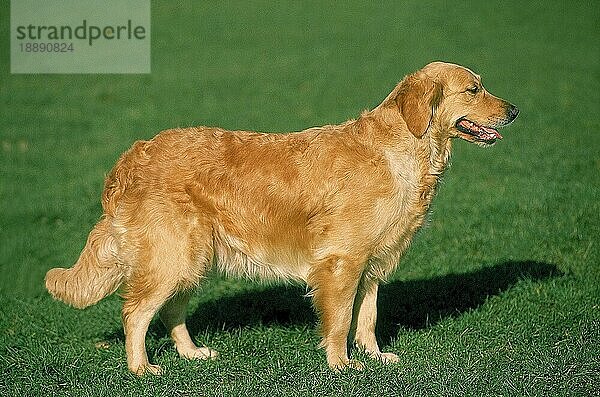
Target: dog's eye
(473, 90)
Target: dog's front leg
(364, 320)
(334, 283)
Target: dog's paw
(199, 353)
(387, 358)
(355, 365)
(375, 354)
(149, 369)
(343, 365)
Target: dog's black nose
(513, 112)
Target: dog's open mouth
(476, 132)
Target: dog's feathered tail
(95, 275)
(98, 272)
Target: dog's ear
(418, 100)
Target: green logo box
(80, 36)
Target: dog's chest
(410, 206)
(407, 210)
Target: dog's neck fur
(439, 151)
(432, 150)
(388, 126)
(437, 156)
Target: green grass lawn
(498, 295)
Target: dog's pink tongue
(492, 132)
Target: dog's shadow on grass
(412, 304)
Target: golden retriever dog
(334, 207)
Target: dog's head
(450, 101)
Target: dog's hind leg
(142, 301)
(173, 315)
(163, 266)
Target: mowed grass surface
(498, 295)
